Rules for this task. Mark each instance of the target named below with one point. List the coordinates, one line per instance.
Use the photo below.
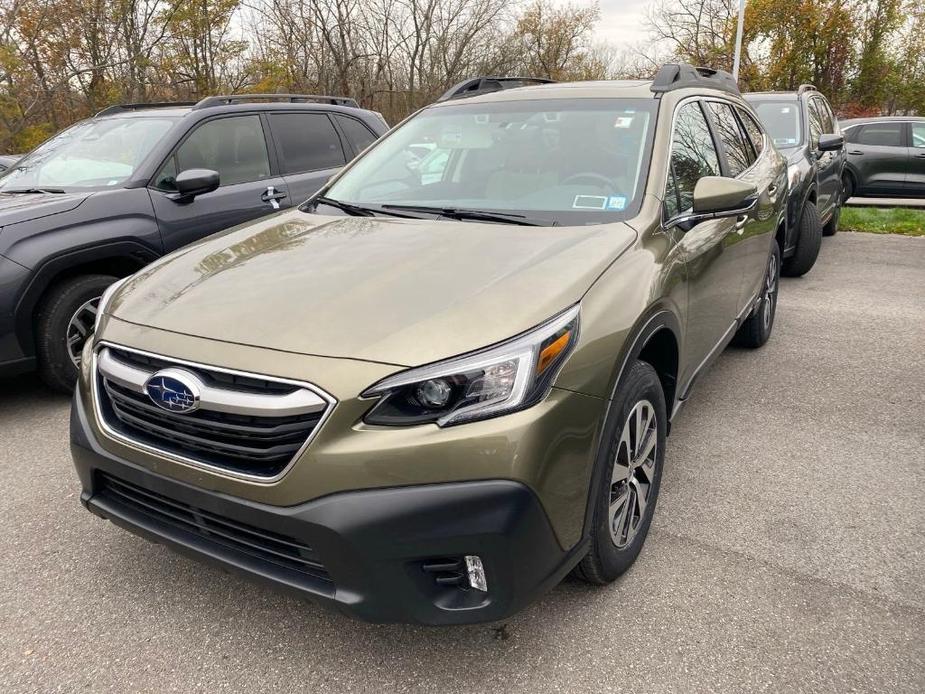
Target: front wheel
(809, 242)
(624, 501)
(847, 187)
(64, 323)
(756, 329)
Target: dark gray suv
(110, 194)
(886, 157)
(804, 128)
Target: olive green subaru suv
(446, 381)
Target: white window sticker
(590, 202)
(623, 122)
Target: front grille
(245, 424)
(242, 539)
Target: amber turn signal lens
(552, 350)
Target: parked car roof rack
(224, 100)
(680, 75)
(807, 88)
(486, 85)
(119, 108)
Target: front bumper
(362, 552)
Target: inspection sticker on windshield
(623, 122)
(590, 202)
(616, 202)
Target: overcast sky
(621, 21)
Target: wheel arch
(656, 337)
(119, 259)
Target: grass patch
(879, 220)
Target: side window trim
(699, 102)
(152, 182)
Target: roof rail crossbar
(224, 100)
(119, 108)
(680, 75)
(486, 85)
(807, 88)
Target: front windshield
(782, 121)
(559, 161)
(90, 155)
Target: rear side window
(918, 135)
(880, 134)
(693, 156)
(358, 134)
(306, 142)
(825, 115)
(755, 134)
(234, 147)
(739, 154)
(816, 125)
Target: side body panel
(117, 224)
(181, 223)
(878, 169)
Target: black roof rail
(224, 100)
(807, 88)
(680, 75)
(119, 108)
(486, 85)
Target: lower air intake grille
(271, 548)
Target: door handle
(273, 196)
(772, 189)
(920, 155)
(855, 151)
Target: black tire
(809, 241)
(756, 329)
(831, 228)
(606, 560)
(847, 187)
(52, 322)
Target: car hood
(397, 291)
(26, 207)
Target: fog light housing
(476, 572)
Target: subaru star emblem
(173, 390)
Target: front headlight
(509, 376)
(105, 300)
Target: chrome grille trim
(303, 399)
(300, 401)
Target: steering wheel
(600, 178)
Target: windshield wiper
(475, 215)
(33, 190)
(357, 210)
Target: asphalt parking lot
(787, 552)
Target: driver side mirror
(193, 182)
(831, 143)
(715, 197)
(719, 196)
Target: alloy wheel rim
(80, 328)
(633, 473)
(770, 293)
